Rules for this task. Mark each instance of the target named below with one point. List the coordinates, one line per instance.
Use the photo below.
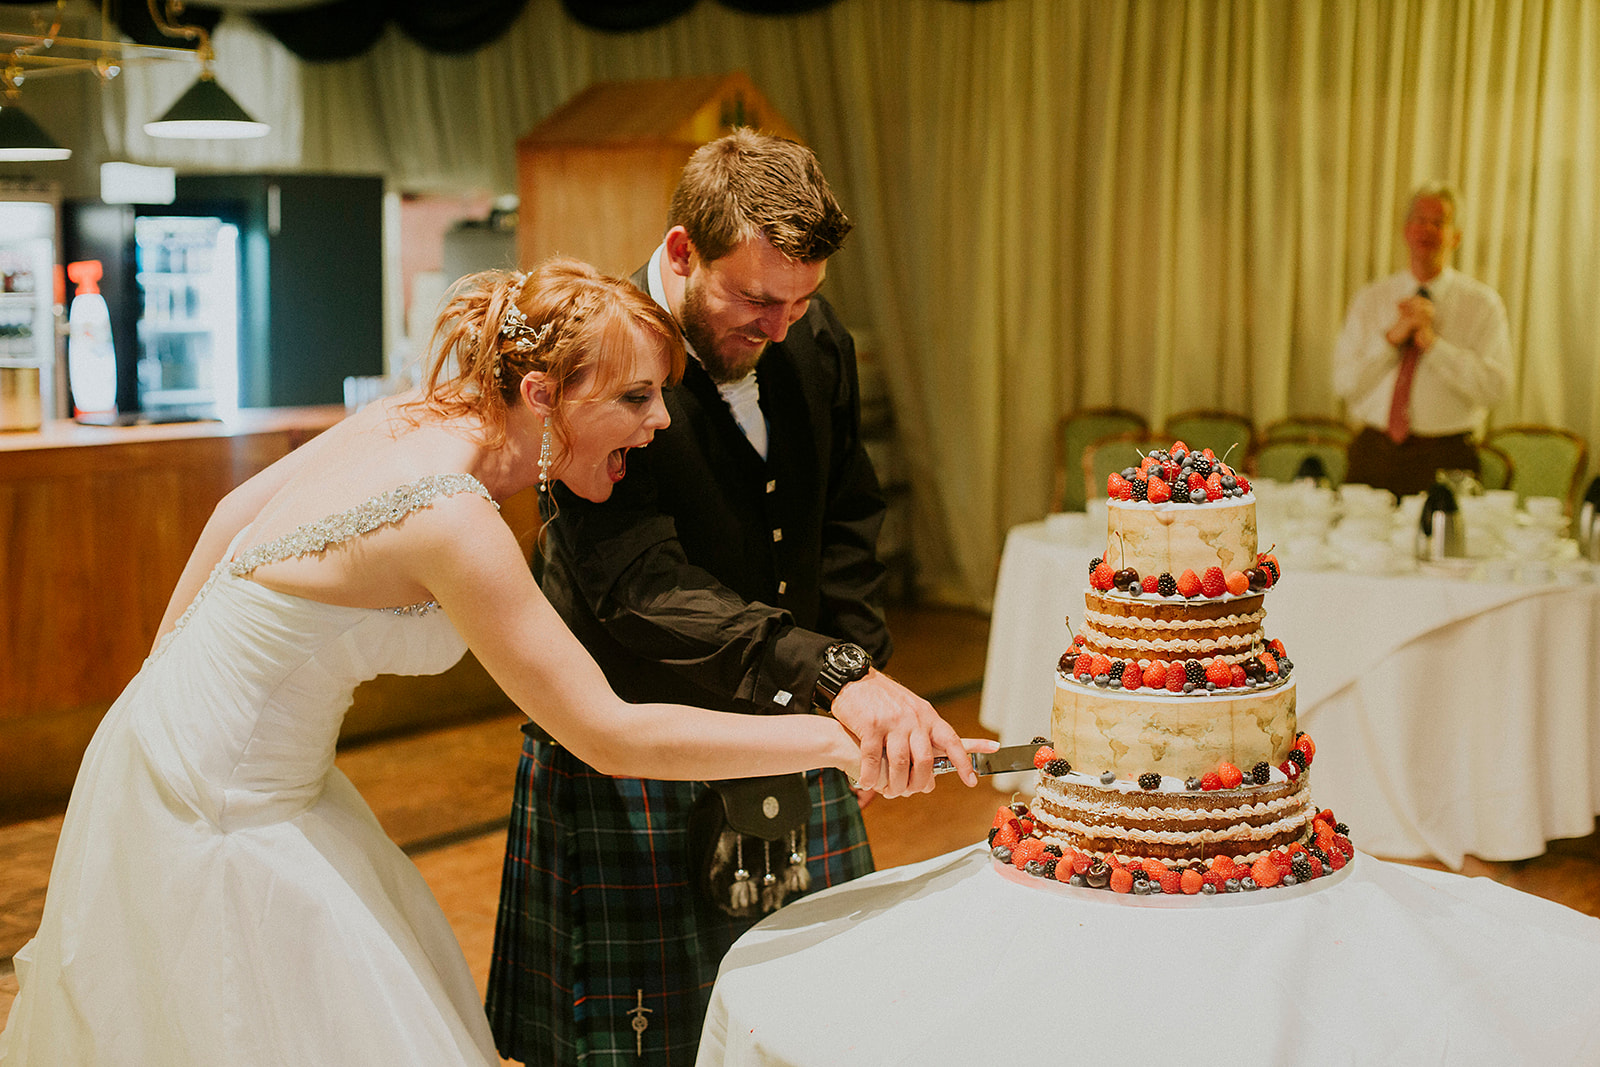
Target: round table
(950, 962)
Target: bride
(220, 893)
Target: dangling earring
(544, 461)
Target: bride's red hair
(595, 324)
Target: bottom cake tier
(1160, 835)
(1172, 823)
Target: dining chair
(1545, 460)
(1294, 426)
(1108, 455)
(1074, 433)
(1292, 457)
(1494, 467)
(1220, 431)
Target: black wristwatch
(842, 664)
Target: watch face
(850, 660)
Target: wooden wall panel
(95, 527)
(605, 205)
(596, 175)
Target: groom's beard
(697, 329)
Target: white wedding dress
(221, 895)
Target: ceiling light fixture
(22, 139)
(206, 112)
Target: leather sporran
(747, 841)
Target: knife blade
(1000, 761)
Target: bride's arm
(470, 563)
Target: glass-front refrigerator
(247, 291)
(28, 228)
(188, 326)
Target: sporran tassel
(796, 876)
(772, 893)
(743, 894)
(767, 877)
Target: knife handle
(941, 764)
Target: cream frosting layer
(1172, 538)
(1232, 649)
(1112, 819)
(1104, 621)
(1137, 628)
(1237, 834)
(1113, 803)
(1180, 735)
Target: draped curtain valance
(343, 29)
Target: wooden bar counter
(95, 526)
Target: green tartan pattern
(597, 903)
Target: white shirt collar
(1439, 284)
(652, 276)
(658, 290)
(742, 396)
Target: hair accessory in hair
(514, 326)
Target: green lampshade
(206, 112)
(21, 138)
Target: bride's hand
(901, 736)
(919, 771)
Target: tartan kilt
(597, 903)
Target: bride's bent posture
(221, 894)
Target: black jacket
(713, 578)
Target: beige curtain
(1154, 203)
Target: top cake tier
(1171, 538)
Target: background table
(1451, 717)
(949, 962)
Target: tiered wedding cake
(1174, 760)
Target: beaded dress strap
(384, 508)
(381, 510)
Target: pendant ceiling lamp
(22, 139)
(206, 112)
(39, 49)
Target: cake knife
(1000, 761)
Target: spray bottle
(91, 359)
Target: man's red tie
(1400, 403)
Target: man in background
(734, 567)
(1422, 358)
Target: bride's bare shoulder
(367, 459)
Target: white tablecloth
(949, 962)
(1451, 717)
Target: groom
(734, 567)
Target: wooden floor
(445, 795)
